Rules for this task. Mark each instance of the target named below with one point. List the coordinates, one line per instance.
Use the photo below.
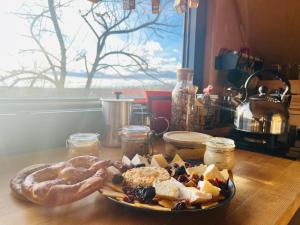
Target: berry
(144, 194)
(180, 171)
(129, 199)
(187, 165)
(175, 165)
(117, 179)
(182, 179)
(140, 165)
(180, 206)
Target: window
(77, 44)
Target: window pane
(89, 45)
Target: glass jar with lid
(220, 151)
(135, 140)
(83, 144)
(183, 100)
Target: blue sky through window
(162, 51)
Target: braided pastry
(65, 182)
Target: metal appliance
(261, 119)
(117, 114)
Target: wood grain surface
(268, 192)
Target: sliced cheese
(126, 161)
(206, 187)
(225, 174)
(212, 172)
(159, 161)
(177, 159)
(166, 189)
(197, 170)
(112, 171)
(191, 194)
(138, 159)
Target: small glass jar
(135, 140)
(220, 151)
(83, 144)
(183, 100)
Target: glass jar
(220, 151)
(135, 140)
(83, 144)
(183, 100)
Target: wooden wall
(270, 28)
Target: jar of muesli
(183, 100)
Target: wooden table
(268, 192)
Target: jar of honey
(83, 144)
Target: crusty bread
(65, 182)
(16, 182)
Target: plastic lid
(221, 143)
(186, 138)
(83, 137)
(135, 131)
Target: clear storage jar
(183, 100)
(135, 140)
(83, 144)
(220, 151)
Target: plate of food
(154, 184)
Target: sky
(162, 52)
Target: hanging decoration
(182, 6)
(193, 4)
(155, 6)
(128, 4)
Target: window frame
(194, 42)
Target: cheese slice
(212, 172)
(138, 159)
(206, 187)
(177, 159)
(194, 195)
(225, 174)
(191, 194)
(112, 171)
(166, 189)
(159, 161)
(197, 170)
(126, 161)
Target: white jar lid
(221, 143)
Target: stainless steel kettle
(263, 113)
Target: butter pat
(212, 172)
(138, 159)
(177, 159)
(159, 161)
(197, 170)
(207, 187)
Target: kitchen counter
(268, 192)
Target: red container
(159, 104)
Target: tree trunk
(63, 61)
